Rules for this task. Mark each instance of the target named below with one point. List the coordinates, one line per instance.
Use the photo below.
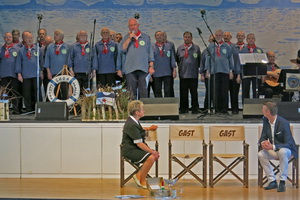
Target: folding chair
(187, 135)
(293, 161)
(151, 137)
(231, 134)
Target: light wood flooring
(109, 188)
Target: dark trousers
(221, 84)
(208, 91)
(246, 82)
(164, 81)
(83, 80)
(188, 85)
(29, 93)
(137, 81)
(104, 80)
(13, 85)
(234, 89)
(269, 91)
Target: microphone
(39, 16)
(199, 31)
(203, 12)
(133, 39)
(136, 15)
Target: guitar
(272, 81)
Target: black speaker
(161, 108)
(289, 110)
(252, 107)
(51, 111)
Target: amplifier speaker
(289, 110)
(51, 111)
(252, 107)
(161, 108)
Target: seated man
(270, 85)
(277, 143)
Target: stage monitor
(289, 110)
(51, 111)
(161, 108)
(253, 107)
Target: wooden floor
(109, 188)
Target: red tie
(28, 53)
(251, 47)
(241, 45)
(136, 39)
(6, 54)
(219, 48)
(160, 46)
(186, 52)
(105, 49)
(273, 67)
(58, 45)
(83, 44)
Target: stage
(75, 149)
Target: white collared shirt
(273, 131)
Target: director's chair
(151, 136)
(187, 135)
(232, 134)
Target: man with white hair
(26, 67)
(139, 59)
(78, 61)
(56, 57)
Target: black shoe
(16, 112)
(281, 187)
(183, 111)
(272, 185)
(195, 112)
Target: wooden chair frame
(136, 166)
(197, 157)
(261, 179)
(238, 158)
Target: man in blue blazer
(277, 143)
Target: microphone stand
(90, 63)
(208, 82)
(40, 17)
(203, 15)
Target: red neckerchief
(136, 39)
(83, 44)
(42, 43)
(28, 53)
(186, 52)
(229, 43)
(160, 47)
(240, 44)
(219, 48)
(105, 49)
(58, 45)
(6, 54)
(251, 47)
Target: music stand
(254, 70)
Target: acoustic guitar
(271, 81)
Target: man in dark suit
(277, 143)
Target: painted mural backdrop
(276, 23)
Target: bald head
(133, 25)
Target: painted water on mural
(276, 29)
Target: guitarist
(270, 84)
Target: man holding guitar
(271, 85)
